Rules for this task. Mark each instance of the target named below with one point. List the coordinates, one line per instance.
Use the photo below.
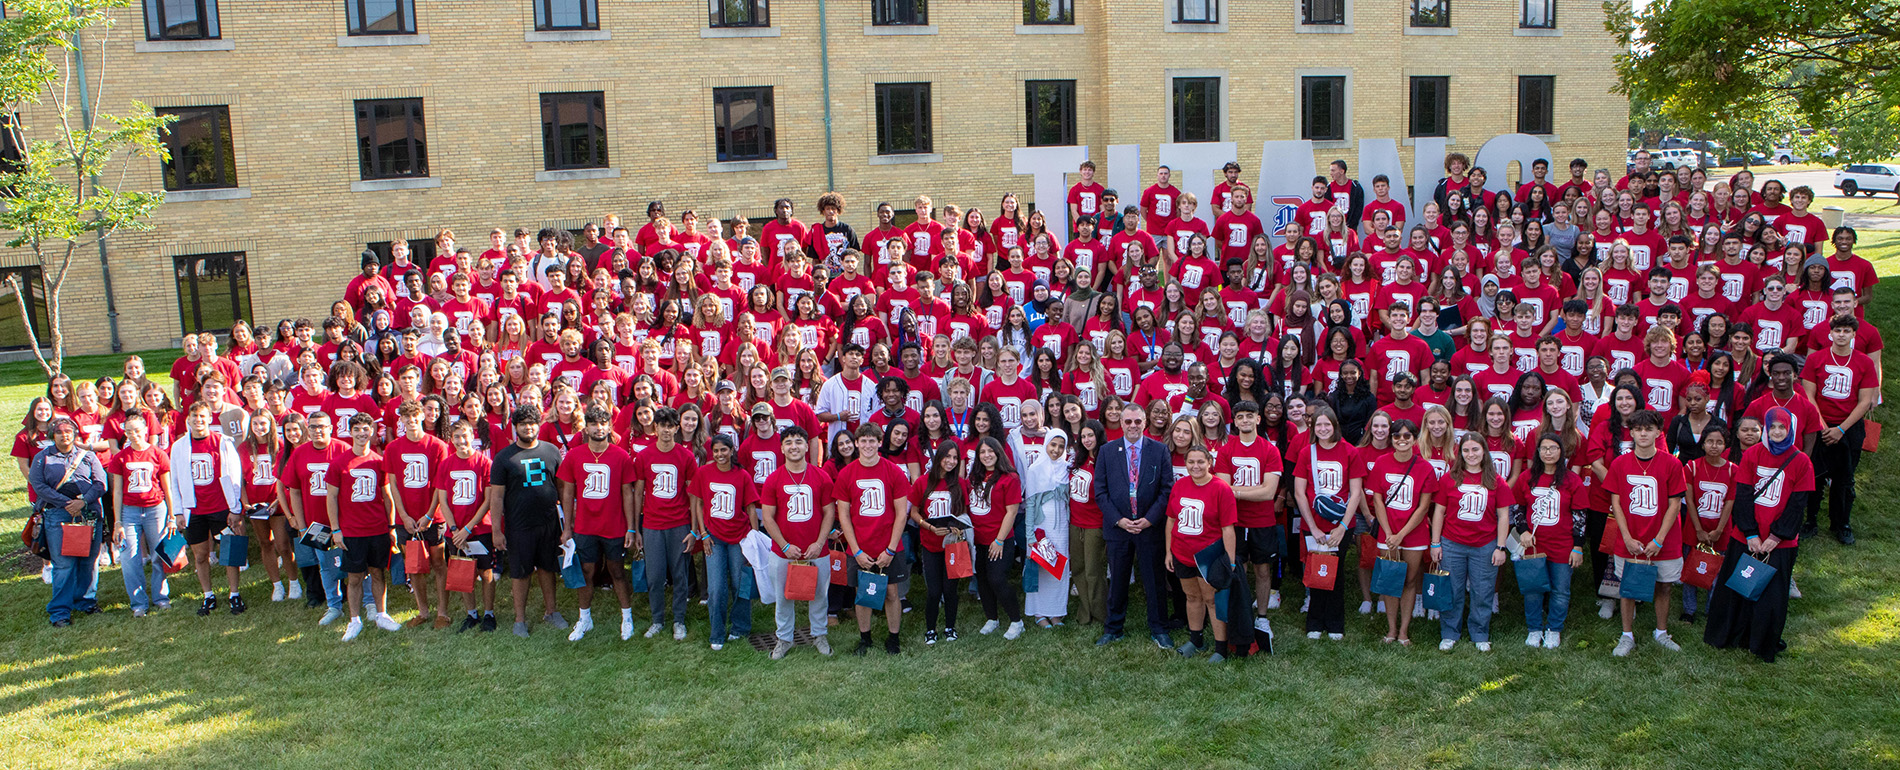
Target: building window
(903, 118)
(1535, 94)
(1539, 14)
(574, 130)
(13, 333)
(1048, 11)
(1197, 109)
(1431, 13)
(389, 139)
(214, 291)
(1430, 106)
(1197, 11)
(181, 19)
(199, 143)
(1051, 112)
(1323, 12)
(743, 127)
(738, 13)
(566, 14)
(381, 17)
(898, 13)
(1323, 108)
(421, 252)
(12, 157)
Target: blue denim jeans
(1473, 578)
(726, 570)
(329, 566)
(1546, 612)
(141, 529)
(73, 576)
(817, 612)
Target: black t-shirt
(529, 491)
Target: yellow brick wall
(290, 89)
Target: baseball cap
(762, 410)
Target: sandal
(1405, 642)
(1389, 639)
(1042, 623)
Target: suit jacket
(1155, 483)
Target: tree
(1713, 64)
(55, 200)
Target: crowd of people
(1620, 385)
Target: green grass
(1884, 203)
(272, 689)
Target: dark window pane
(566, 14)
(1325, 11)
(181, 19)
(214, 291)
(574, 130)
(1197, 109)
(390, 139)
(1431, 13)
(381, 17)
(1534, 104)
(13, 330)
(1539, 14)
(1051, 112)
(1323, 116)
(737, 13)
(900, 12)
(1430, 102)
(200, 146)
(903, 118)
(1048, 11)
(1197, 11)
(743, 125)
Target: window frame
(1441, 110)
(544, 15)
(920, 93)
(1212, 16)
(157, 28)
(12, 153)
(883, 13)
(1307, 19)
(191, 318)
(716, 14)
(765, 121)
(550, 141)
(34, 286)
(1338, 107)
(1443, 10)
(1065, 13)
(416, 123)
(356, 18)
(228, 147)
(1524, 14)
(1549, 105)
(1065, 102)
(1211, 116)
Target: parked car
(1671, 159)
(1786, 155)
(1868, 179)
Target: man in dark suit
(1134, 506)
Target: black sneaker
(488, 623)
(1810, 528)
(949, 634)
(864, 646)
(1687, 617)
(1845, 535)
(930, 637)
(210, 603)
(237, 605)
(892, 645)
(468, 622)
(312, 601)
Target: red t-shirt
(1402, 487)
(728, 497)
(1644, 489)
(867, 495)
(1549, 505)
(359, 484)
(1470, 509)
(761, 456)
(597, 479)
(1198, 513)
(1160, 384)
(412, 465)
(666, 475)
(466, 482)
(1709, 488)
(795, 500)
(1773, 485)
(1247, 466)
(141, 469)
(1008, 398)
(1083, 511)
(934, 504)
(1807, 419)
(306, 471)
(1838, 381)
(260, 476)
(987, 506)
(1334, 471)
(1662, 384)
(206, 468)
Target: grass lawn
(1884, 203)
(272, 689)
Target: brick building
(310, 129)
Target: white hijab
(1046, 472)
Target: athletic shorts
(486, 560)
(360, 554)
(1667, 570)
(533, 547)
(1186, 570)
(431, 535)
(898, 572)
(200, 527)
(1264, 543)
(590, 549)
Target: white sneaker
(1365, 608)
(46, 574)
(1431, 614)
(1336, 637)
(1381, 605)
(330, 616)
(626, 630)
(1418, 609)
(387, 623)
(353, 629)
(1015, 630)
(717, 646)
(1306, 603)
(1794, 591)
(1536, 639)
(1605, 608)
(679, 632)
(1483, 646)
(277, 592)
(652, 630)
(1445, 645)
(581, 627)
(1312, 634)
(1624, 646)
(296, 590)
(1273, 600)
(1553, 640)
(1663, 641)
(989, 628)
(1263, 626)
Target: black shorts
(589, 549)
(898, 572)
(486, 560)
(1264, 543)
(200, 527)
(533, 547)
(360, 554)
(1186, 570)
(431, 535)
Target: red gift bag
(75, 540)
(1611, 535)
(1871, 442)
(958, 561)
(801, 581)
(415, 557)
(1044, 552)
(1368, 550)
(461, 575)
(1322, 569)
(1700, 567)
(838, 577)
